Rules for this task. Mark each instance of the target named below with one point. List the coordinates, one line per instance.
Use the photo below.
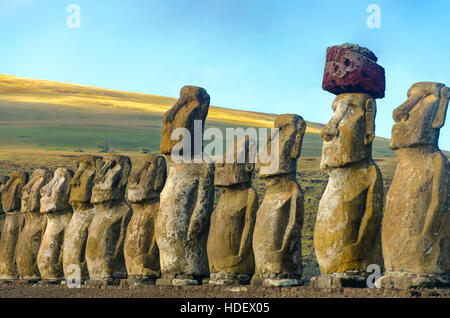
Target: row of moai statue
(167, 231)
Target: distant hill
(47, 115)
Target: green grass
(53, 127)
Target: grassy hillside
(52, 116)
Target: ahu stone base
(405, 280)
(275, 282)
(339, 280)
(138, 280)
(227, 279)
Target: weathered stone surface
(350, 68)
(416, 224)
(3, 180)
(279, 220)
(290, 139)
(140, 248)
(348, 227)
(183, 220)
(76, 234)
(193, 104)
(104, 247)
(339, 280)
(13, 224)
(35, 223)
(55, 206)
(232, 223)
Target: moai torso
(140, 249)
(279, 220)
(416, 224)
(188, 195)
(83, 212)
(347, 231)
(229, 247)
(31, 236)
(13, 224)
(104, 247)
(56, 208)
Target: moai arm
(373, 212)
(438, 200)
(205, 198)
(295, 217)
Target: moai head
(12, 191)
(192, 105)
(291, 129)
(55, 194)
(238, 163)
(148, 182)
(111, 180)
(349, 135)
(31, 193)
(419, 119)
(83, 180)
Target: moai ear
(298, 140)
(250, 155)
(371, 109)
(439, 118)
(126, 169)
(161, 173)
(69, 176)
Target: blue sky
(259, 55)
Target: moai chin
(279, 220)
(106, 234)
(140, 248)
(56, 208)
(187, 198)
(416, 223)
(347, 234)
(74, 260)
(35, 223)
(233, 220)
(13, 224)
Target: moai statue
(74, 261)
(279, 220)
(416, 223)
(104, 247)
(30, 238)
(3, 180)
(55, 206)
(13, 224)
(188, 196)
(229, 247)
(347, 235)
(140, 249)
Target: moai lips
(279, 221)
(233, 220)
(350, 68)
(140, 248)
(347, 232)
(416, 224)
(104, 247)
(13, 224)
(55, 206)
(83, 212)
(31, 236)
(192, 105)
(187, 198)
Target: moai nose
(328, 132)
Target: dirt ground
(22, 290)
